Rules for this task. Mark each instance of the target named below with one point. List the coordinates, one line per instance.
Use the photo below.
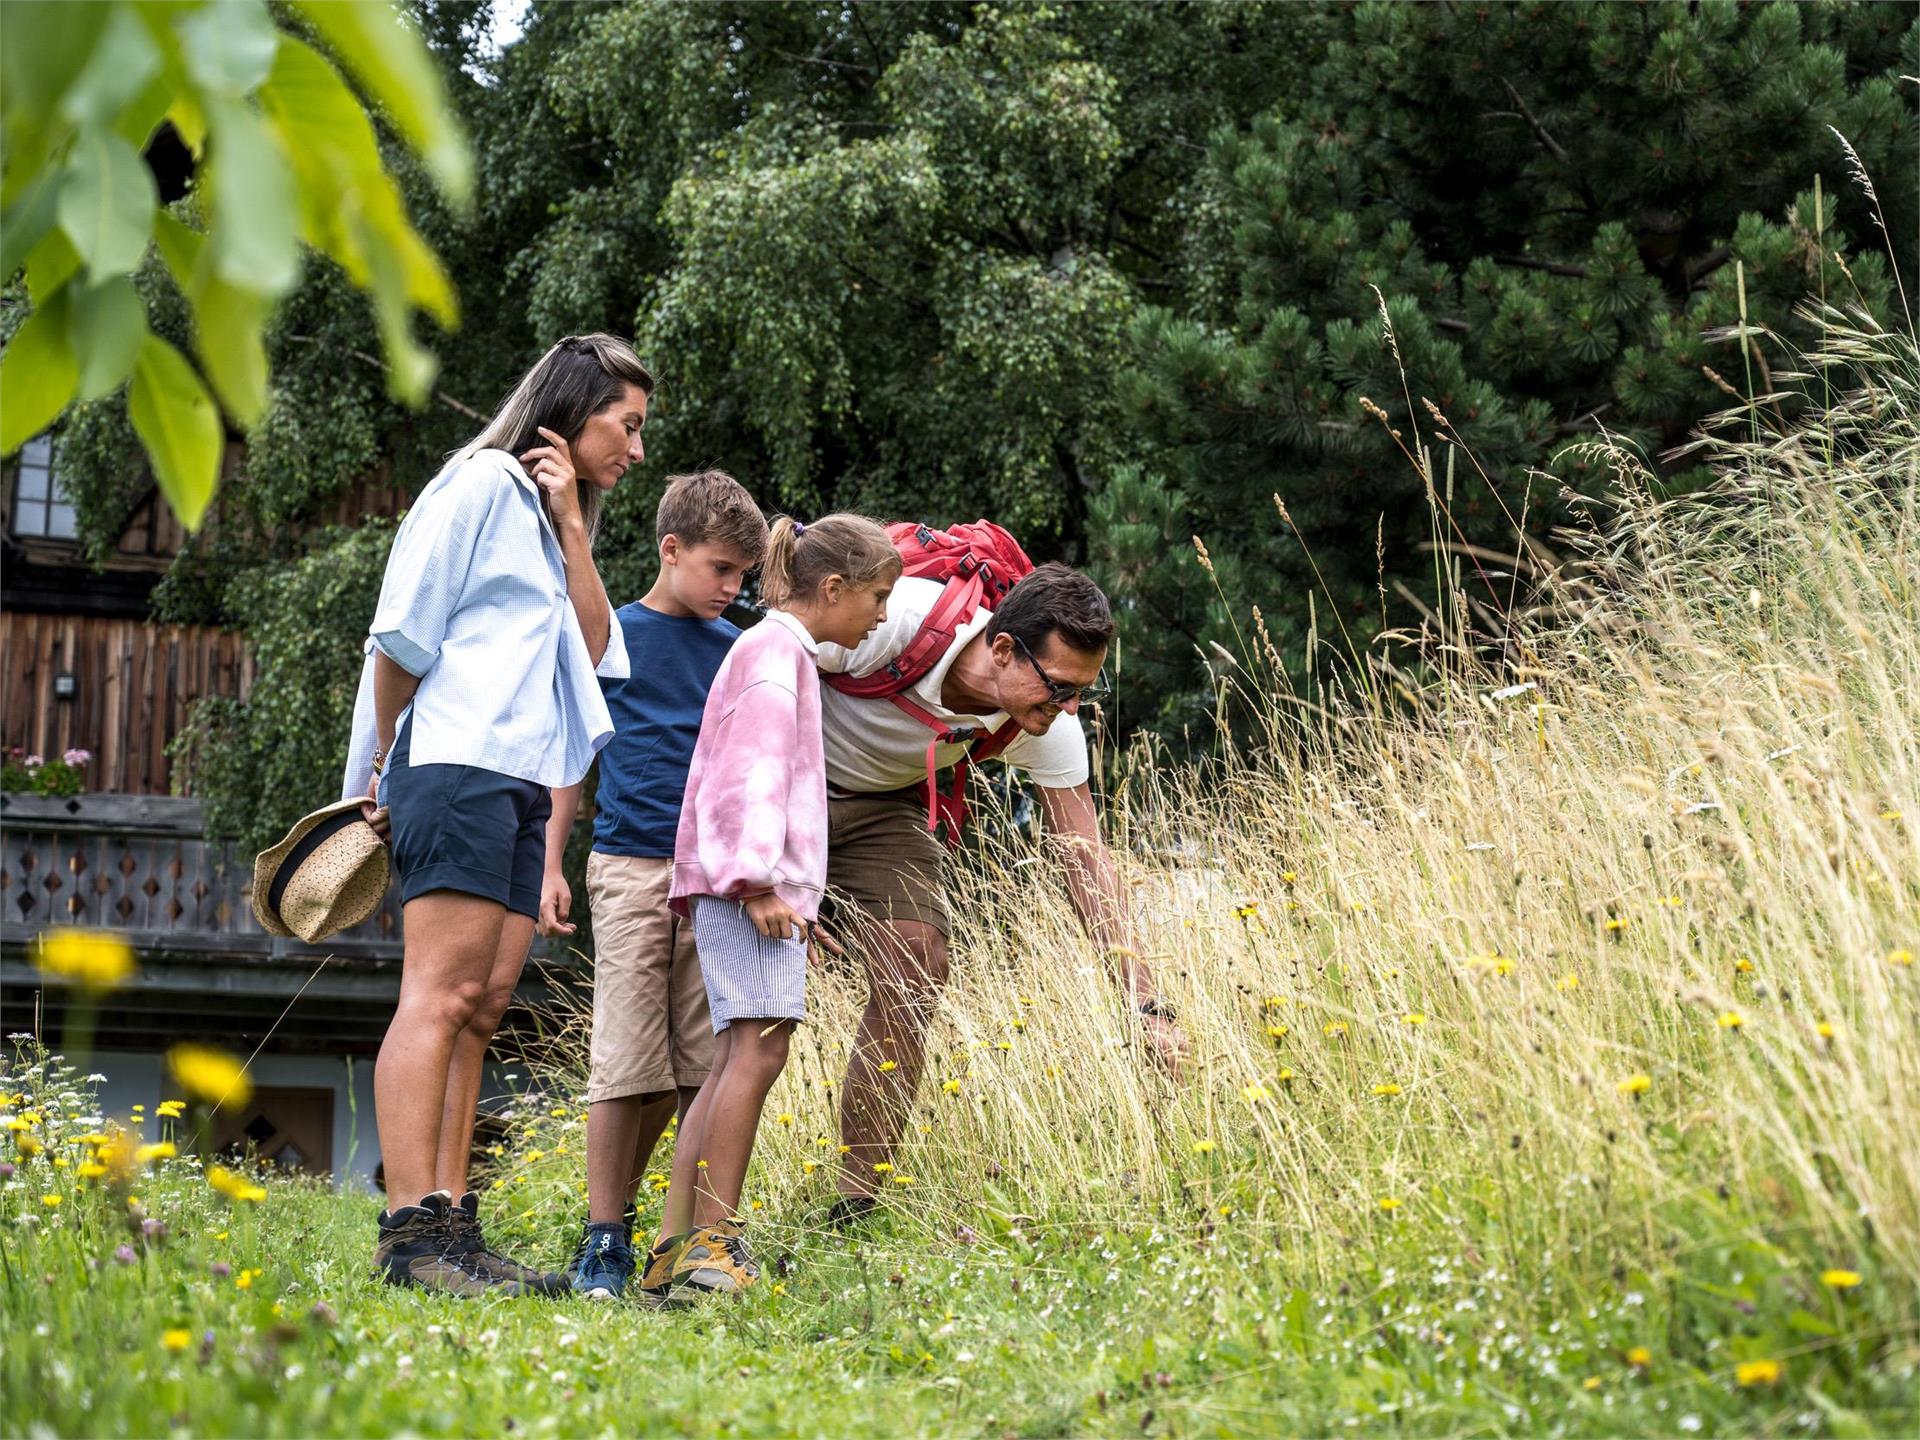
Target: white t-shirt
(874, 745)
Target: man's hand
(556, 903)
(1167, 1043)
(774, 918)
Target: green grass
(1187, 1323)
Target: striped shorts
(749, 977)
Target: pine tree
(1544, 219)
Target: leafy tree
(287, 157)
(1542, 218)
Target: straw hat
(328, 875)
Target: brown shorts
(650, 1026)
(882, 859)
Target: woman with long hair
(478, 696)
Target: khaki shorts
(882, 859)
(650, 1027)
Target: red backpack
(980, 563)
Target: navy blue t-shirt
(656, 719)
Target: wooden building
(83, 667)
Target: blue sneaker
(604, 1262)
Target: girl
(478, 696)
(750, 864)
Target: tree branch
(1552, 267)
(378, 364)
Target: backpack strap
(958, 603)
(952, 806)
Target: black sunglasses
(1057, 692)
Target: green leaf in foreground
(107, 325)
(37, 375)
(106, 205)
(177, 422)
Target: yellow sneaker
(714, 1261)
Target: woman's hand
(774, 918)
(556, 903)
(374, 812)
(551, 466)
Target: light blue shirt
(475, 603)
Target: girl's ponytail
(776, 571)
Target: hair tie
(799, 528)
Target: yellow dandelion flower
(1226, 1210)
(699, 1164)
(846, 1149)
(883, 1168)
(1732, 1020)
(1334, 1027)
(1248, 910)
(784, 1118)
(1283, 1074)
(1635, 1085)
(807, 1167)
(1276, 1032)
(210, 1075)
(90, 1170)
(1673, 900)
(1840, 1279)
(1889, 814)
(1568, 982)
(887, 1065)
(1388, 1088)
(950, 1087)
(1275, 1002)
(170, 1109)
(1204, 1147)
(1757, 1372)
(1743, 966)
(234, 1186)
(176, 1340)
(1592, 1382)
(1640, 1357)
(1825, 1030)
(904, 1180)
(27, 1145)
(95, 959)
(1387, 1202)
(52, 1202)
(1902, 958)
(147, 1154)
(1253, 1094)
(1414, 1017)
(244, 1279)
(1617, 924)
(1287, 877)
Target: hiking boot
(464, 1220)
(714, 1261)
(604, 1262)
(656, 1285)
(850, 1211)
(418, 1246)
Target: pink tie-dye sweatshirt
(755, 814)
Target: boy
(652, 1038)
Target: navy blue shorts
(458, 827)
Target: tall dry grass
(1609, 961)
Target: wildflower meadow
(1555, 1039)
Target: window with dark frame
(41, 510)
